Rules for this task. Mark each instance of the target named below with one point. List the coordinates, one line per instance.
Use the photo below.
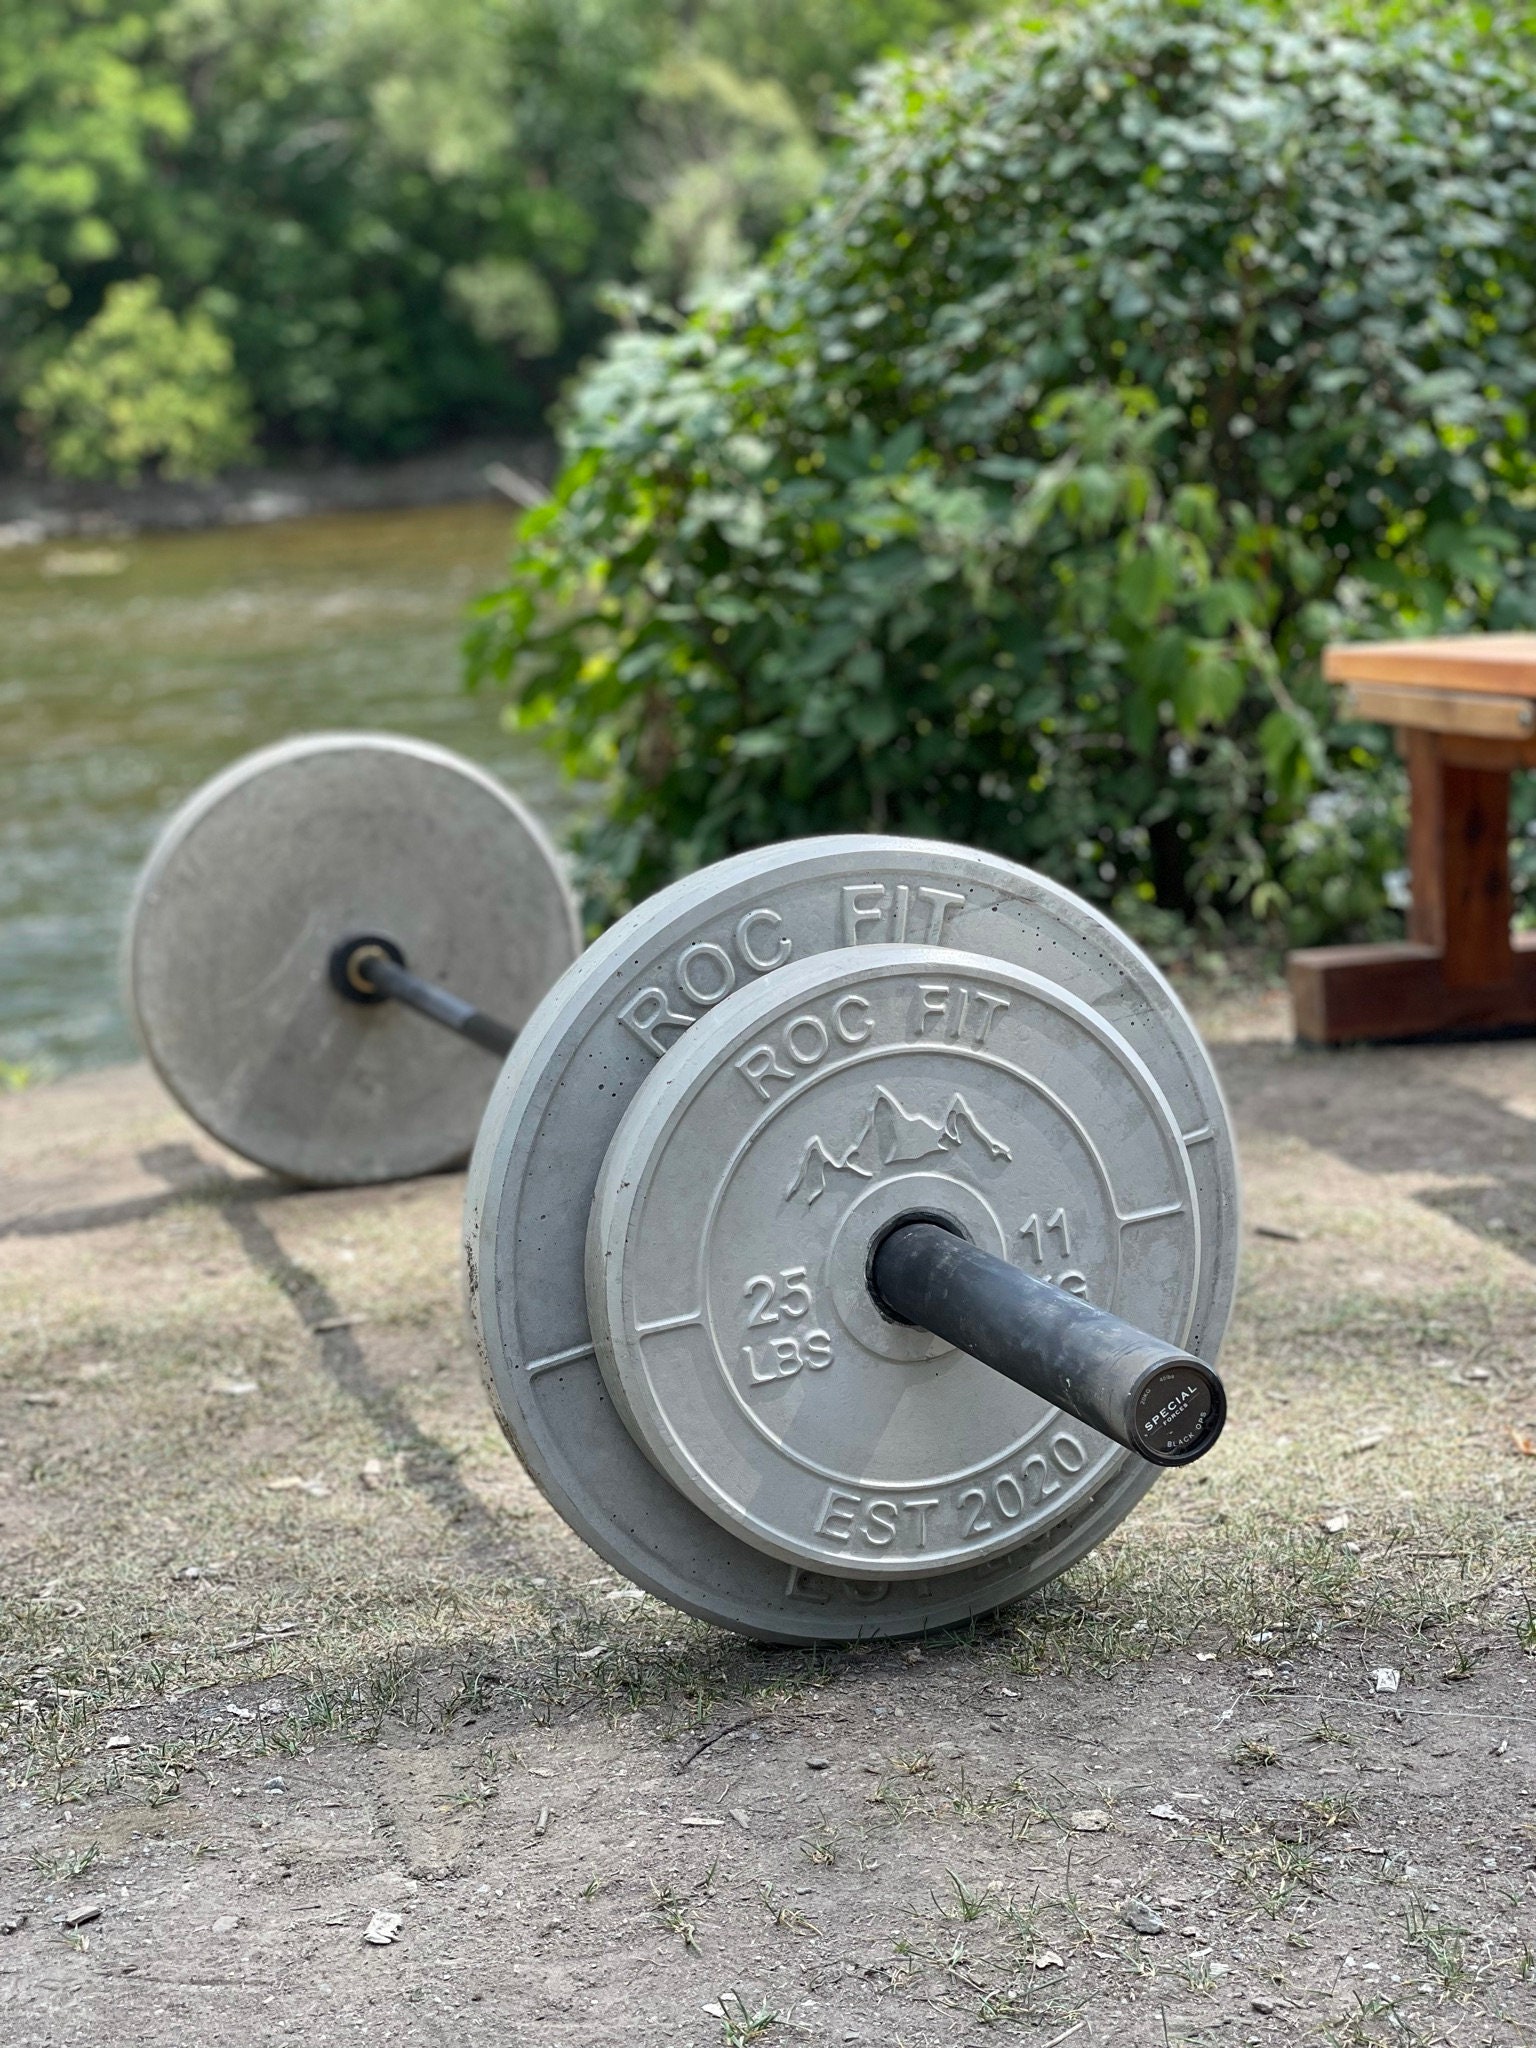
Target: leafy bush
(138, 388)
(1125, 358)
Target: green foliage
(1341, 863)
(505, 299)
(403, 213)
(723, 162)
(137, 388)
(82, 121)
(1126, 357)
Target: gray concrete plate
(254, 880)
(557, 1105)
(741, 1201)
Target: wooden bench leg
(1458, 852)
(1459, 970)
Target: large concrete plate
(256, 878)
(740, 1205)
(558, 1103)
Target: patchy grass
(247, 1448)
(258, 1527)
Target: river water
(130, 671)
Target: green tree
(81, 122)
(139, 389)
(405, 214)
(1125, 357)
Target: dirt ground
(289, 1647)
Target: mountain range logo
(890, 1136)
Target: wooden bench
(1465, 713)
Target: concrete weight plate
(740, 1205)
(558, 1103)
(253, 882)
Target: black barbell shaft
(370, 970)
(440, 1004)
(1150, 1396)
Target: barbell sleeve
(371, 970)
(1150, 1396)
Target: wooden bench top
(1492, 664)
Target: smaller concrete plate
(253, 882)
(741, 1200)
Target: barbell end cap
(1178, 1411)
(347, 968)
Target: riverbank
(288, 1641)
(38, 509)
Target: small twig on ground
(718, 1736)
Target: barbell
(850, 1232)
